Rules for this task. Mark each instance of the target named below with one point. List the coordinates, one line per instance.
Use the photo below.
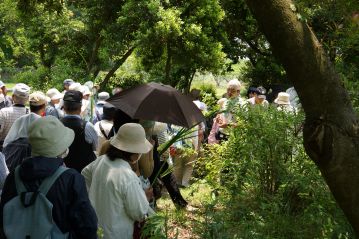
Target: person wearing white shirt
(114, 189)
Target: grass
(184, 223)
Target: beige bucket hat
(282, 99)
(49, 137)
(131, 138)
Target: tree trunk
(331, 126)
(94, 55)
(118, 63)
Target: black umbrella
(158, 102)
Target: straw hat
(282, 99)
(49, 137)
(37, 98)
(131, 138)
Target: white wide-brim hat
(131, 138)
(282, 99)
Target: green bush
(265, 184)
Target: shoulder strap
(20, 187)
(102, 130)
(48, 182)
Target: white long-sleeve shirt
(116, 193)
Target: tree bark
(94, 55)
(117, 64)
(331, 125)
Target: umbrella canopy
(158, 102)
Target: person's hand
(149, 194)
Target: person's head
(282, 99)
(260, 95)
(251, 92)
(54, 95)
(129, 143)
(195, 94)
(48, 137)
(37, 102)
(108, 112)
(86, 92)
(67, 83)
(21, 94)
(102, 97)
(116, 90)
(233, 88)
(3, 88)
(121, 118)
(72, 102)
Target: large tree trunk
(331, 126)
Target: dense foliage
(264, 184)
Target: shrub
(265, 184)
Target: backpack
(29, 214)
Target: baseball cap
(21, 90)
(73, 96)
(2, 84)
(37, 98)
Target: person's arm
(91, 135)
(135, 201)
(4, 171)
(87, 174)
(8, 192)
(83, 219)
(1, 122)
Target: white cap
(21, 90)
(77, 86)
(103, 96)
(2, 84)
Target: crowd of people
(89, 164)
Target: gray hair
(234, 84)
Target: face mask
(134, 162)
(57, 106)
(64, 154)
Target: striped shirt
(8, 116)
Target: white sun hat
(77, 86)
(131, 138)
(102, 97)
(282, 99)
(86, 90)
(54, 94)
